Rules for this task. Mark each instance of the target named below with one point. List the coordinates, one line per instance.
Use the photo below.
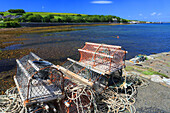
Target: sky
(143, 10)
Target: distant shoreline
(38, 24)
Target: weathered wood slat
(16, 82)
(108, 56)
(23, 69)
(35, 56)
(33, 65)
(73, 75)
(87, 66)
(105, 45)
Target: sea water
(135, 38)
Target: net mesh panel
(45, 83)
(85, 73)
(105, 57)
(79, 97)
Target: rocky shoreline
(155, 98)
(156, 64)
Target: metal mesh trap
(98, 64)
(106, 58)
(37, 81)
(85, 86)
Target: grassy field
(47, 13)
(42, 13)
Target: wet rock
(138, 64)
(167, 81)
(156, 78)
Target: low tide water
(136, 38)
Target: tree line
(16, 11)
(57, 18)
(30, 17)
(70, 18)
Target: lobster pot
(104, 57)
(37, 81)
(85, 72)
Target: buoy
(67, 104)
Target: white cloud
(159, 14)
(154, 13)
(145, 17)
(129, 16)
(42, 7)
(101, 2)
(140, 14)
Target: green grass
(56, 17)
(42, 13)
(129, 68)
(7, 13)
(150, 71)
(147, 72)
(47, 13)
(147, 58)
(139, 70)
(157, 73)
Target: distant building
(114, 20)
(14, 17)
(134, 22)
(148, 22)
(10, 16)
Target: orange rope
(38, 109)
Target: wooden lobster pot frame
(96, 64)
(106, 58)
(37, 82)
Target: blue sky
(148, 10)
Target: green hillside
(55, 17)
(43, 14)
(48, 13)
